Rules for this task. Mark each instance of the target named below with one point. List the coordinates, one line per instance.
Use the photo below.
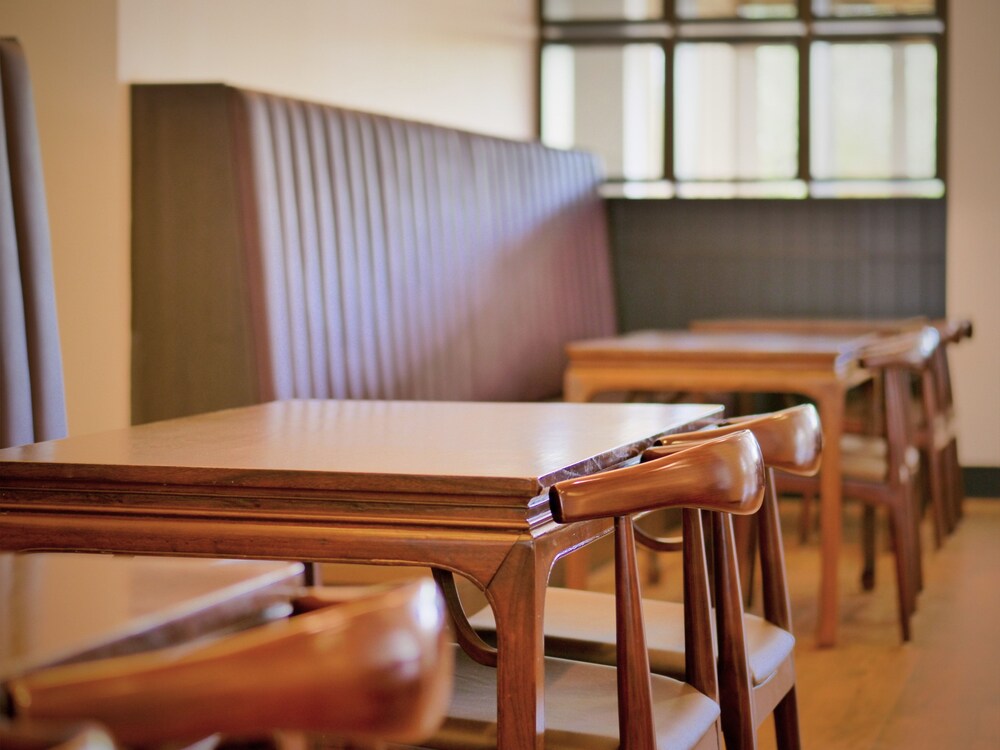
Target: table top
(722, 348)
(500, 453)
(829, 326)
(60, 608)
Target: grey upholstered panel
(394, 259)
(678, 260)
(32, 405)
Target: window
(729, 98)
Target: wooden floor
(941, 690)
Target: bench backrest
(384, 258)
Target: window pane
(874, 110)
(609, 100)
(854, 8)
(578, 10)
(735, 111)
(736, 9)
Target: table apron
(582, 383)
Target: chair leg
(786, 722)
(901, 536)
(312, 574)
(958, 483)
(937, 490)
(913, 511)
(868, 547)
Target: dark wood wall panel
(676, 260)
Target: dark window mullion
(941, 166)
(668, 107)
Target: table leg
(517, 594)
(577, 389)
(831, 411)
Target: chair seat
(581, 625)
(581, 709)
(864, 457)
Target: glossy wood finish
(721, 475)
(941, 437)
(374, 668)
(69, 608)
(458, 486)
(824, 326)
(890, 482)
(790, 441)
(937, 436)
(49, 736)
(725, 473)
(822, 368)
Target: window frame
(803, 30)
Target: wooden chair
(597, 706)
(757, 672)
(376, 668)
(941, 435)
(881, 471)
(32, 405)
(42, 736)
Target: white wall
(82, 111)
(465, 63)
(974, 222)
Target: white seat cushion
(581, 709)
(581, 625)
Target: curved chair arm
(725, 474)
(42, 735)
(790, 439)
(376, 668)
(907, 350)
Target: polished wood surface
(780, 350)
(871, 693)
(881, 472)
(725, 473)
(821, 367)
(721, 475)
(457, 486)
(67, 608)
(789, 438)
(829, 326)
(373, 668)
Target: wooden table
(66, 608)
(820, 367)
(813, 326)
(459, 486)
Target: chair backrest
(791, 440)
(898, 358)
(32, 405)
(378, 668)
(725, 475)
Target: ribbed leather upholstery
(32, 405)
(393, 259)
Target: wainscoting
(677, 260)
